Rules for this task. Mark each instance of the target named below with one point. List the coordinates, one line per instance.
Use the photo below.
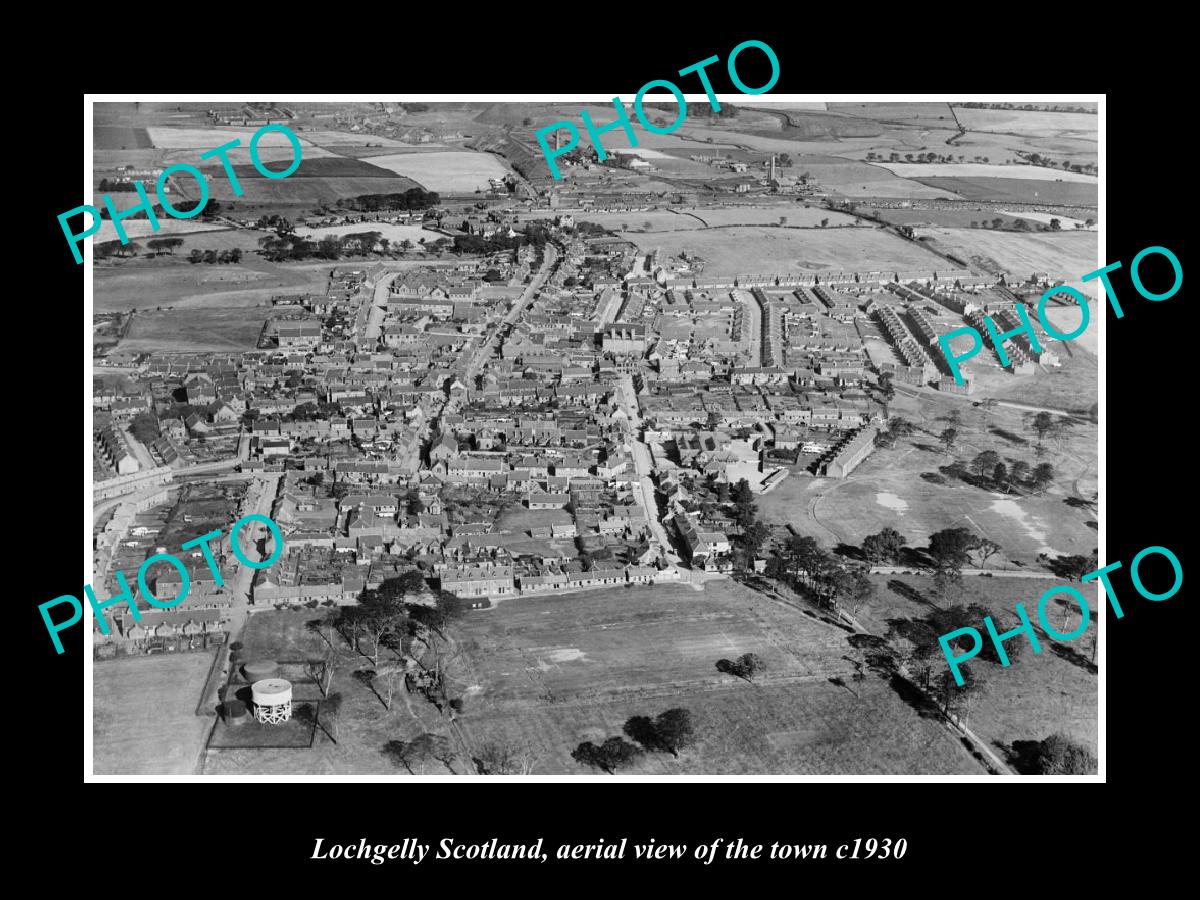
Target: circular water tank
(259, 669)
(271, 692)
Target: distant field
(692, 219)
(456, 171)
(134, 735)
(1020, 121)
(852, 178)
(1067, 254)
(984, 170)
(1019, 190)
(137, 229)
(393, 233)
(933, 115)
(118, 137)
(273, 145)
(788, 250)
(194, 329)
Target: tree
(615, 753)
(950, 546)
(852, 588)
(745, 666)
(885, 546)
(674, 729)
(956, 699)
(1042, 424)
(1056, 225)
(424, 747)
(1059, 755)
(1019, 472)
(1000, 476)
(144, 427)
(321, 670)
(196, 256)
(948, 437)
(985, 548)
(824, 223)
(1043, 474)
(985, 462)
(506, 758)
(887, 390)
(948, 583)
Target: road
(485, 350)
(643, 464)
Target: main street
(643, 464)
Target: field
(166, 282)
(448, 171)
(193, 330)
(1068, 255)
(1038, 694)
(557, 671)
(1020, 121)
(689, 219)
(852, 178)
(1018, 190)
(145, 720)
(928, 115)
(393, 233)
(750, 249)
(984, 170)
(273, 145)
(888, 489)
(117, 137)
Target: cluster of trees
(826, 578)
(896, 429)
(144, 427)
(276, 223)
(281, 246)
(413, 198)
(117, 187)
(388, 618)
(991, 472)
(424, 747)
(745, 666)
(668, 732)
(166, 243)
(212, 256)
(1058, 755)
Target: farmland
(754, 249)
(448, 171)
(1017, 190)
(983, 170)
(1067, 255)
(144, 714)
(1023, 121)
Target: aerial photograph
(656, 468)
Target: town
(560, 460)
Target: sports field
(144, 714)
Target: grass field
(1038, 694)
(450, 171)
(727, 251)
(173, 282)
(194, 329)
(928, 115)
(1068, 255)
(985, 170)
(118, 137)
(1018, 190)
(273, 145)
(1020, 121)
(144, 720)
(887, 488)
(557, 671)
(393, 233)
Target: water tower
(272, 700)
